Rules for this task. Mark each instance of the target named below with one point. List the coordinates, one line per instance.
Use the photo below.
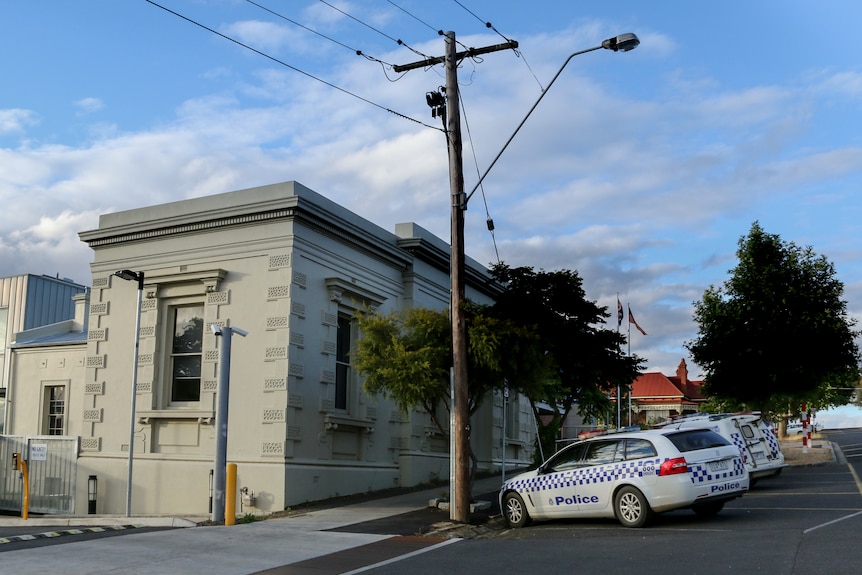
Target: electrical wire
(426, 24)
(294, 68)
(313, 31)
(370, 27)
(429, 26)
(487, 24)
(516, 51)
(489, 221)
(385, 65)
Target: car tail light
(673, 466)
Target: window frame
(565, 459)
(344, 373)
(633, 453)
(599, 446)
(168, 363)
(48, 413)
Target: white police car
(630, 476)
(754, 437)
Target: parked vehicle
(795, 428)
(752, 434)
(629, 475)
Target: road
(804, 522)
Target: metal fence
(52, 463)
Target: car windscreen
(694, 439)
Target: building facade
(656, 396)
(292, 269)
(28, 302)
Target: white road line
(810, 529)
(859, 487)
(400, 557)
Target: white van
(748, 431)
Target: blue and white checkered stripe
(738, 441)
(771, 440)
(700, 472)
(585, 476)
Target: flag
(632, 321)
(619, 313)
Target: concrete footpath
(316, 541)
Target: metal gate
(52, 465)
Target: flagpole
(629, 343)
(619, 321)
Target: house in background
(293, 269)
(655, 396)
(28, 302)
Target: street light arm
(512, 137)
(624, 42)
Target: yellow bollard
(25, 511)
(230, 495)
(19, 464)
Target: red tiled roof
(655, 385)
(665, 401)
(695, 390)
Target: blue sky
(640, 170)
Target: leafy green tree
(586, 358)
(406, 356)
(776, 333)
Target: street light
(460, 498)
(129, 275)
(622, 43)
(219, 480)
(460, 440)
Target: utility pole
(460, 506)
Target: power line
(516, 51)
(294, 68)
(429, 26)
(313, 31)
(383, 64)
(488, 221)
(370, 27)
(487, 24)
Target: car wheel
(515, 511)
(631, 507)
(708, 509)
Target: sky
(641, 170)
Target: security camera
(239, 331)
(216, 329)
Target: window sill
(516, 442)
(333, 422)
(201, 415)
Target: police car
(629, 475)
(752, 434)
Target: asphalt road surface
(805, 521)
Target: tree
(406, 357)
(586, 358)
(776, 333)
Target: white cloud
(266, 37)
(645, 194)
(15, 120)
(89, 105)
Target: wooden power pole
(460, 506)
